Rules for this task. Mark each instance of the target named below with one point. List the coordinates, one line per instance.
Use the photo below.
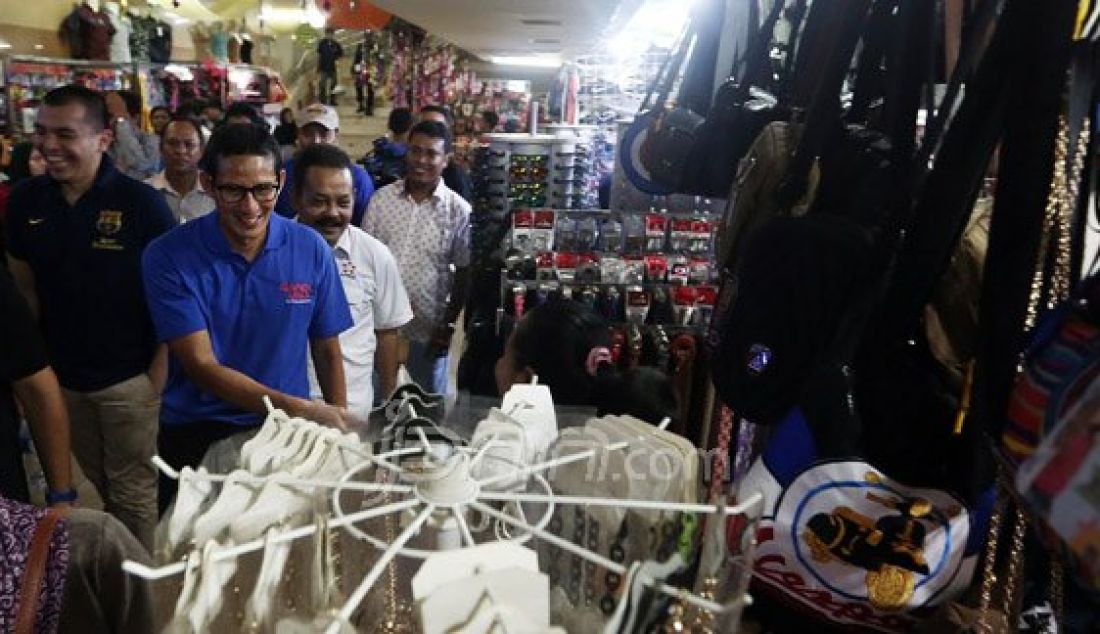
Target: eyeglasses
(529, 159)
(528, 200)
(518, 188)
(528, 172)
(262, 192)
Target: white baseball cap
(320, 114)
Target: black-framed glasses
(262, 192)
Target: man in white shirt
(323, 197)
(427, 226)
(181, 144)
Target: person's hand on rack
(324, 414)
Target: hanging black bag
(692, 154)
(741, 108)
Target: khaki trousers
(114, 436)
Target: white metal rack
(447, 488)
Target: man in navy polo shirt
(321, 124)
(75, 238)
(241, 296)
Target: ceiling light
(656, 23)
(39, 47)
(5, 45)
(526, 60)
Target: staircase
(358, 131)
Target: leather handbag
(661, 153)
(742, 107)
(690, 153)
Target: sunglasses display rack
(518, 171)
(523, 170)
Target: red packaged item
(680, 235)
(523, 221)
(544, 265)
(656, 267)
(700, 271)
(701, 232)
(542, 235)
(565, 264)
(679, 272)
(656, 226)
(705, 300)
(683, 304)
(588, 268)
(638, 301)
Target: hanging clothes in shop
(234, 45)
(246, 49)
(95, 32)
(160, 42)
(219, 44)
(571, 114)
(120, 41)
(141, 31)
(69, 34)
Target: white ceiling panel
(512, 27)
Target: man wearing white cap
(319, 123)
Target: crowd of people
(160, 284)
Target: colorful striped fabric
(1060, 366)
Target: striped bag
(1063, 361)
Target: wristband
(54, 497)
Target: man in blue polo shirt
(241, 296)
(321, 124)
(75, 238)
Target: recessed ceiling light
(37, 47)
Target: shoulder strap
(794, 14)
(667, 73)
(38, 553)
(868, 80)
(944, 196)
(838, 46)
(757, 56)
(676, 65)
(1082, 102)
(1040, 58)
(907, 62)
(975, 39)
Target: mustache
(329, 222)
